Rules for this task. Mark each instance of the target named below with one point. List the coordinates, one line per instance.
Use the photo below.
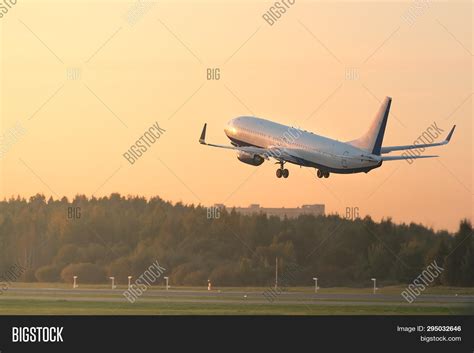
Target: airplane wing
(277, 152)
(410, 147)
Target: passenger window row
(293, 144)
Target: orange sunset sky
(85, 79)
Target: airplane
(257, 140)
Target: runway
(235, 297)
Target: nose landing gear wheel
(279, 173)
(326, 174)
(285, 173)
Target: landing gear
(322, 174)
(282, 172)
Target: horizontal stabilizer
(418, 146)
(397, 158)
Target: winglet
(450, 134)
(202, 139)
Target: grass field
(61, 307)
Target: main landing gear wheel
(282, 172)
(322, 174)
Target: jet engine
(249, 158)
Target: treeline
(120, 236)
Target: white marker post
(129, 281)
(315, 279)
(375, 284)
(167, 286)
(74, 285)
(113, 282)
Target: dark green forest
(120, 236)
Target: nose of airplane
(230, 128)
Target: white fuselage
(309, 149)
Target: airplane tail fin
(371, 141)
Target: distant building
(315, 210)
